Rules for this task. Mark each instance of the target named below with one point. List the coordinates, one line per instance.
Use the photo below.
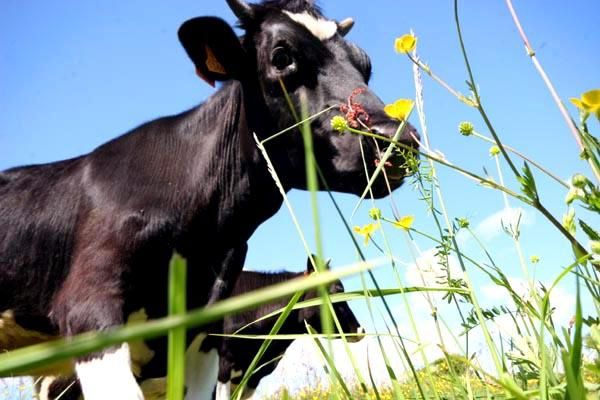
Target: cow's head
(290, 43)
(312, 315)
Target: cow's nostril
(408, 136)
(377, 131)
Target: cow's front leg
(231, 267)
(202, 357)
(92, 299)
(108, 376)
(223, 391)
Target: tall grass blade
(265, 345)
(177, 336)
(31, 357)
(572, 358)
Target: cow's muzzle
(408, 144)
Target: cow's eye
(281, 58)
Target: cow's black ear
(214, 48)
(309, 266)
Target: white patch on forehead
(323, 29)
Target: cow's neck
(246, 192)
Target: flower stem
(565, 114)
(524, 157)
(427, 70)
(477, 98)
(469, 174)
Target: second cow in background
(237, 354)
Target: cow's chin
(358, 335)
(353, 180)
(382, 187)
(389, 178)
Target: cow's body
(237, 354)
(128, 205)
(86, 241)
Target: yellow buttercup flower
(366, 231)
(405, 43)
(405, 222)
(589, 103)
(399, 109)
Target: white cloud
(508, 217)
(561, 301)
(429, 271)
(503, 326)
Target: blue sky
(75, 74)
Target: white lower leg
(201, 370)
(109, 377)
(223, 391)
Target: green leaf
(265, 345)
(572, 358)
(527, 181)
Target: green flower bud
(494, 151)
(375, 213)
(339, 123)
(579, 181)
(568, 221)
(573, 194)
(466, 128)
(463, 222)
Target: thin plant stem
(440, 81)
(538, 66)
(176, 337)
(524, 157)
(439, 160)
(514, 229)
(296, 125)
(452, 234)
(479, 106)
(388, 252)
(535, 202)
(313, 185)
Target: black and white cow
(79, 237)
(237, 354)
